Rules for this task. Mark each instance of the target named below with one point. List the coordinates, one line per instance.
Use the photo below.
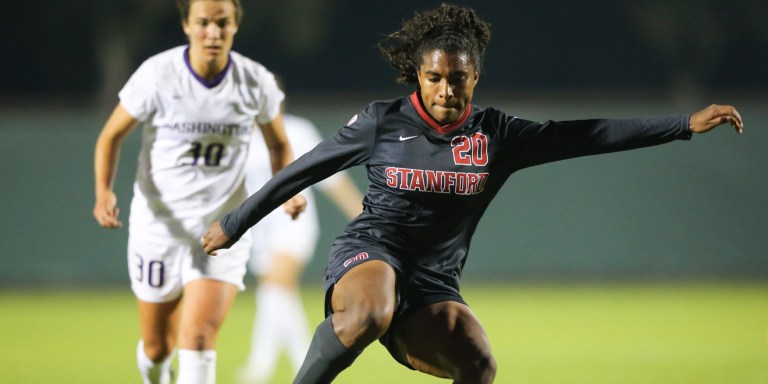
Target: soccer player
(434, 161)
(280, 251)
(198, 103)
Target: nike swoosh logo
(407, 137)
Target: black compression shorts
(416, 287)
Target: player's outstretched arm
(714, 115)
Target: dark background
(87, 49)
(680, 211)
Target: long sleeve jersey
(428, 190)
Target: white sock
(279, 323)
(265, 338)
(197, 367)
(151, 372)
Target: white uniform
(277, 233)
(191, 166)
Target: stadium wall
(683, 210)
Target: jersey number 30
(206, 154)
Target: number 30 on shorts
(153, 272)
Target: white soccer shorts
(159, 271)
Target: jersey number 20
(470, 150)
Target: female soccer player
(434, 161)
(198, 103)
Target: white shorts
(278, 234)
(159, 271)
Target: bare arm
(106, 157)
(280, 155)
(277, 143)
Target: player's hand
(106, 211)
(215, 239)
(295, 206)
(714, 115)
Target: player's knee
(198, 339)
(480, 369)
(157, 350)
(371, 323)
(364, 324)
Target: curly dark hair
(448, 27)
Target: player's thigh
(443, 339)
(206, 303)
(363, 303)
(368, 286)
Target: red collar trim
(442, 129)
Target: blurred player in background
(199, 104)
(434, 161)
(280, 251)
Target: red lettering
(391, 177)
(482, 181)
(433, 181)
(460, 183)
(404, 172)
(417, 181)
(472, 179)
(450, 181)
(480, 149)
(461, 148)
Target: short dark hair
(183, 6)
(449, 28)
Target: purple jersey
(431, 184)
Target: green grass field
(588, 333)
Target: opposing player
(198, 103)
(435, 161)
(280, 251)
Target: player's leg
(363, 303)
(210, 286)
(155, 351)
(206, 304)
(156, 283)
(279, 321)
(446, 340)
